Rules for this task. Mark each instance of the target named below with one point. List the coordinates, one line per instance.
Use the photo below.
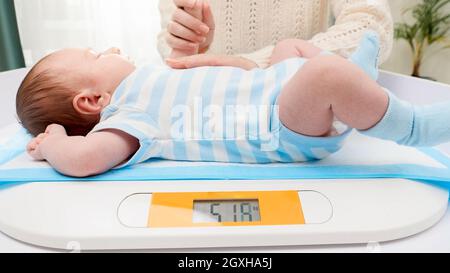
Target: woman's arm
(211, 60)
(353, 19)
(286, 49)
(82, 156)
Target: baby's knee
(328, 76)
(329, 69)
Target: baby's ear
(91, 103)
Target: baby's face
(97, 71)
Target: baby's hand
(34, 147)
(56, 129)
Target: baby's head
(70, 87)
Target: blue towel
(361, 157)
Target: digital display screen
(226, 211)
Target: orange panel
(176, 209)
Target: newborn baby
(93, 112)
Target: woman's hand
(34, 147)
(191, 30)
(211, 60)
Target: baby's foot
(367, 54)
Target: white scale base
(100, 216)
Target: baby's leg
(365, 56)
(329, 86)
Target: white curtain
(49, 25)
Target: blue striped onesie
(219, 114)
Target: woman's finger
(197, 10)
(208, 17)
(180, 44)
(185, 19)
(185, 3)
(184, 33)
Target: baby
(112, 114)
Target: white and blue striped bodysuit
(185, 115)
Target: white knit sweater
(251, 28)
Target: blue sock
(367, 54)
(410, 125)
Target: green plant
(431, 27)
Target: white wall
(437, 66)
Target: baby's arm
(292, 48)
(82, 156)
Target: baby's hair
(45, 97)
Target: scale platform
(207, 214)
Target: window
(49, 25)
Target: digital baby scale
(204, 214)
